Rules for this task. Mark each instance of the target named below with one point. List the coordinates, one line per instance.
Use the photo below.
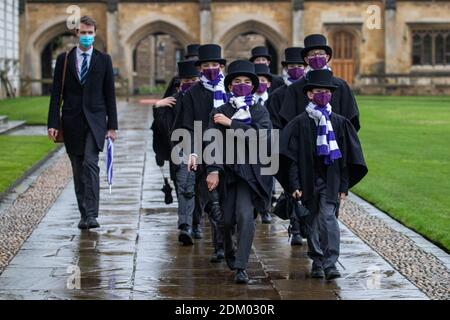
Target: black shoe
(296, 239)
(317, 272)
(266, 218)
(230, 259)
(92, 223)
(241, 276)
(332, 273)
(82, 224)
(218, 256)
(185, 236)
(197, 232)
(273, 201)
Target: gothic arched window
(431, 47)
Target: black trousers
(238, 216)
(86, 177)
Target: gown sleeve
(289, 156)
(349, 105)
(273, 106)
(353, 157)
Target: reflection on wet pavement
(135, 254)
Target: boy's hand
(192, 163)
(222, 119)
(342, 196)
(212, 180)
(297, 194)
(166, 102)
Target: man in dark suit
(89, 115)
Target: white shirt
(80, 58)
(263, 97)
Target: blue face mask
(86, 40)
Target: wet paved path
(135, 254)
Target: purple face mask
(322, 98)
(261, 88)
(211, 74)
(242, 89)
(295, 73)
(185, 86)
(317, 62)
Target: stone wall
(382, 60)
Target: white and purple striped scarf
(326, 141)
(242, 105)
(217, 87)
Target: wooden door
(343, 62)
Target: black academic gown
(342, 100)
(298, 143)
(197, 105)
(276, 82)
(164, 122)
(274, 104)
(171, 88)
(261, 185)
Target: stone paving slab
(135, 254)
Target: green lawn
(406, 141)
(33, 110)
(18, 154)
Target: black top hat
(263, 70)
(319, 79)
(210, 53)
(316, 41)
(192, 50)
(260, 52)
(293, 55)
(187, 69)
(242, 68)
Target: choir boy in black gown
(327, 160)
(317, 54)
(197, 104)
(260, 55)
(167, 115)
(244, 189)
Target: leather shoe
(332, 273)
(317, 272)
(82, 224)
(296, 239)
(230, 259)
(197, 232)
(266, 218)
(241, 276)
(92, 223)
(185, 236)
(218, 256)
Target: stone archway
(273, 37)
(145, 29)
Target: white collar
(263, 96)
(308, 68)
(89, 51)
